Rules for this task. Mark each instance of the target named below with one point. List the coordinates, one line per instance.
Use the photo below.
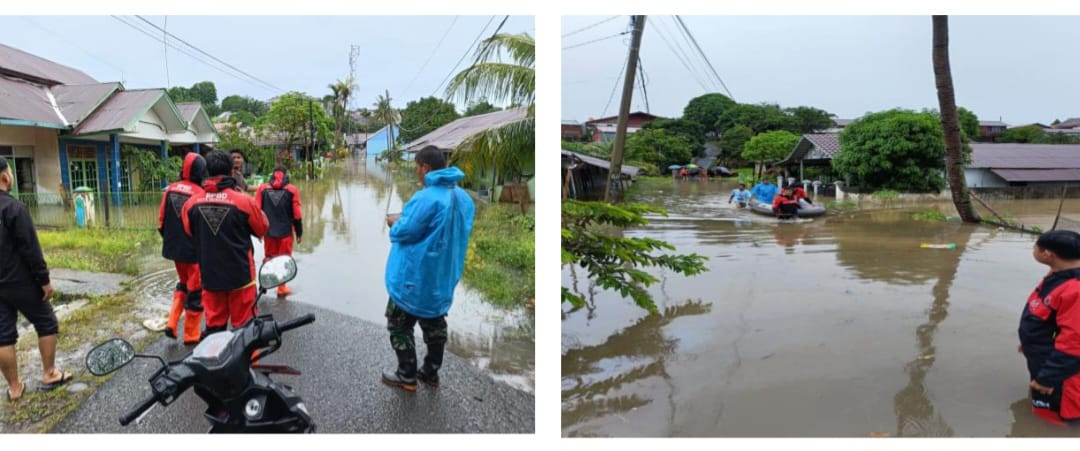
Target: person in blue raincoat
(429, 240)
(764, 192)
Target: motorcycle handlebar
(296, 322)
(143, 406)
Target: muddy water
(341, 265)
(839, 327)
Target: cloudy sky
(1016, 69)
(292, 53)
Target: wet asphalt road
(342, 358)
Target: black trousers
(25, 299)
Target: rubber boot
(174, 314)
(191, 327)
(283, 290)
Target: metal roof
(1072, 122)
(601, 163)
(814, 146)
(76, 102)
(450, 136)
(616, 117)
(992, 124)
(1024, 156)
(28, 104)
(124, 109)
(188, 109)
(35, 68)
(1038, 175)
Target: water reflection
(814, 321)
(343, 256)
(635, 354)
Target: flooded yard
(839, 327)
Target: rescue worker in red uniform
(785, 205)
(178, 247)
(798, 192)
(221, 223)
(1050, 329)
(280, 201)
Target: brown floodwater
(839, 327)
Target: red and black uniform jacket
(281, 203)
(21, 261)
(799, 193)
(1050, 337)
(176, 245)
(221, 221)
(780, 201)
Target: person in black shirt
(24, 288)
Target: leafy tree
(152, 171)
(807, 119)
(969, 123)
(203, 92)
(707, 110)
(693, 131)
(342, 90)
(1028, 134)
(247, 104)
(289, 118)
(615, 262)
(1056, 121)
(760, 118)
(769, 146)
(658, 148)
(480, 107)
(733, 142)
(899, 150)
(504, 72)
(421, 117)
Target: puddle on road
(843, 326)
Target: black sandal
(65, 377)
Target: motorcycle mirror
(276, 271)
(109, 356)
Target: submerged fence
(136, 210)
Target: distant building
(989, 130)
(573, 131)
(1011, 164)
(603, 129)
(378, 142)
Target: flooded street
(839, 327)
(341, 266)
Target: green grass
(843, 205)
(104, 317)
(501, 262)
(930, 215)
(886, 194)
(98, 250)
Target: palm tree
(503, 72)
(342, 90)
(950, 122)
(385, 113)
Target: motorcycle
(239, 397)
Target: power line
(595, 40)
(680, 56)
(590, 26)
(705, 57)
(452, 71)
(428, 60)
(614, 88)
(680, 32)
(184, 51)
(165, 39)
(644, 93)
(74, 44)
(211, 56)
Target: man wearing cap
(24, 288)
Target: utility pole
(311, 134)
(615, 171)
(390, 127)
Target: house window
(84, 173)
